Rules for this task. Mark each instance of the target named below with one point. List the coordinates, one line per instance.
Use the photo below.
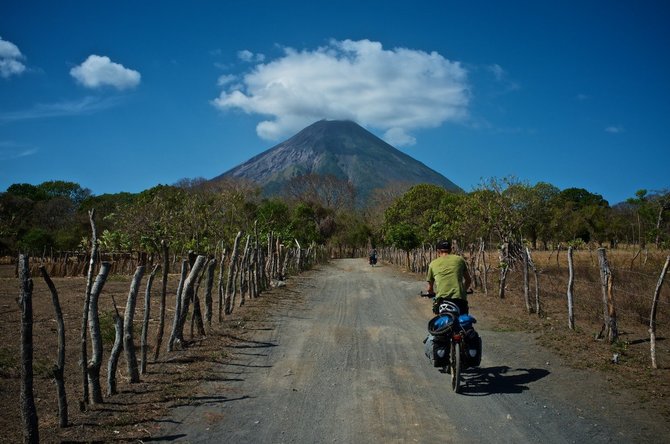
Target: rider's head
(443, 246)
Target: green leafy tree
(404, 237)
(422, 207)
(579, 214)
(651, 216)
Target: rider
(449, 273)
(373, 256)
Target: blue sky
(125, 95)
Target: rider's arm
(430, 279)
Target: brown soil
(127, 416)
(133, 413)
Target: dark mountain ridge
(343, 149)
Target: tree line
(193, 214)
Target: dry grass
(634, 286)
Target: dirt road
(344, 363)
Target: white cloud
(502, 77)
(12, 150)
(398, 137)
(10, 59)
(498, 72)
(614, 129)
(225, 79)
(86, 105)
(247, 56)
(98, 71)
(396, 90)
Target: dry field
(127, 416)
(634, 286)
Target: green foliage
(27, 191)
(403, 236)
(35, 240)
(115, 241)
(200, 215)
(430, 209)
(305, 224)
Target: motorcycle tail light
(457, 337)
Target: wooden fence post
(652, 316)
(116, 351)
(220, 284)
(27, 399)
(186, 295)
(504, 269)
(531, 264)
(84, 320)
(93, 366)
(161, 312)
(145, 321)
(526, 290)
(196, 319)
(571, 286)
(209, 284)
(128, 316)
(177, 310)
(59, 369)
(230, 284)
(609, 310)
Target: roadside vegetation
(195, 214)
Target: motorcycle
(373, 260)
(452, 343)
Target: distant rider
(448, 278)
(373, 256)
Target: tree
(404, 237)
(69, 190)
(421, 207)
(579, 214)
(651, 212)
(537, 213)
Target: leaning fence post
(58, 371)
(571, 286)
(526, 289)
(652, 316)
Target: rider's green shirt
(447, 273)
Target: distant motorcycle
(373, 259)
(452, 342)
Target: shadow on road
(500, 379)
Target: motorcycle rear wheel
(455, 365)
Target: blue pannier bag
(466, 321)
